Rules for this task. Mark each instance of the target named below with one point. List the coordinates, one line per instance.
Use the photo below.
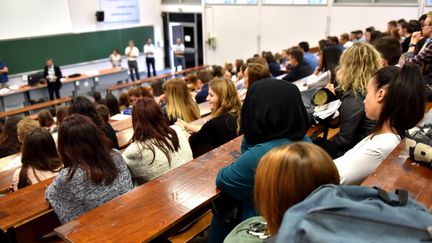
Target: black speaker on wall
(100, 16)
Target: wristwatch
(412, 44)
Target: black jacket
(298, 72)
(214, 133)
(353, 125)
(57, 73)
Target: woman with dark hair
(302, 166)
(396, 99)
(156, 147)
(83, 106)
(273, 114)
(273, 66)
(39, 159)
(93, 172)
(112, 103)
(9, 143)
(222, 127)
(326, 71)
(46, 120)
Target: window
(181, 1)
(299, 2)
(379, 2)
(231, 1)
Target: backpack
(356, 214)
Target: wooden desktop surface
(35, 107)
(135, 216)
(25, 88)
(398, 171)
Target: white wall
(242, 31)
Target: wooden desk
(122, 124)
(6, 177)
(38, 106)
(175, 194)
(204, 108)
(19, 209)
(396, 171)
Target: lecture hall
(216, 121)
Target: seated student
(327, 62)
(124, 101)
(424, 56)
(112, 103)
(39, 159)
(179, 103)
(218, 71)
(46, 120)
(300, 68)
(83, 106)
(23, 127)
(406, 31)
(357, 65)
(240, 86)
(61, 113)
(222, 127)
(390, 50)
(156, 147)
(103, 112)
(9, 143)
(302, 166)
(136, 93)
(308, 57)
(97, 97)
(396, 99)
(93, 172)
(267, 122)
(254, 72)
(273, 66)
(203, 77)
(345, 41)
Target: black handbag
(228, 210)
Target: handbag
(228, 210)
(419, 144)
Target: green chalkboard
(23, 55)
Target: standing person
(115, 58)
(93, 173)
(132, 54)
(53, 75)
(178, 50)
(3, 74)
(150, 60)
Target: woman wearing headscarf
(273, 114)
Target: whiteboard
(29, 18)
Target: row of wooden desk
(93, 77)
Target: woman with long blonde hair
(357, 65)
(222, 127)
(179, 103)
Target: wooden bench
(398, 171)
(174, 194)
(38, 106)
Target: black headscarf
(273, 109)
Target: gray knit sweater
(72, 198)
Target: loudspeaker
(100, 16)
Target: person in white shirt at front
(132, 54)
(149, 50)
(396, 99)
(178, 50)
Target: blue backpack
(356, 214)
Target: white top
(139, 159)
(149, 50)
(134, 53)
(115, 60)
(178, 48)
(359, 162)
(348, 44)
(34, 176)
